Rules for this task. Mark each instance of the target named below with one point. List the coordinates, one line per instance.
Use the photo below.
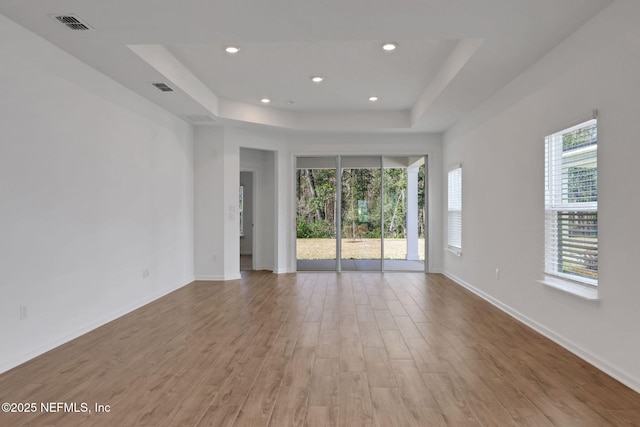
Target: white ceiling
(353, 71)
(452, 54)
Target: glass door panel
(404, 213)
(316, 214)
(361, 214)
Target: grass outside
(355, 249)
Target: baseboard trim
(19, 360)
(219, 278)
(604, 366)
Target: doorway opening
(361, 213)
(246, 213)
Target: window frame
(454, 173)
(556, 190)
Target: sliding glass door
(361, 213)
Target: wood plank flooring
(318, 349)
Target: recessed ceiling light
(317, 79)
(389, 46)
(373, 98)
(232, 49)
(265, 100)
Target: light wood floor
(246, 262)
(319, 349)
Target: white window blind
(454, 238)
(571, 203)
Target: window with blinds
(571, 203)
(454, 210)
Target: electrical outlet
(145, 273)
(23, 312)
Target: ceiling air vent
(73, 22)
(163, 87)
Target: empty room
(314, 213)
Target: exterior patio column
(412, 213)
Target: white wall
(217, 179)
(501, 149)
(96, 185)
(209, 210)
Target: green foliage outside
(320, 229)
(580, 138)
(361, 204)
